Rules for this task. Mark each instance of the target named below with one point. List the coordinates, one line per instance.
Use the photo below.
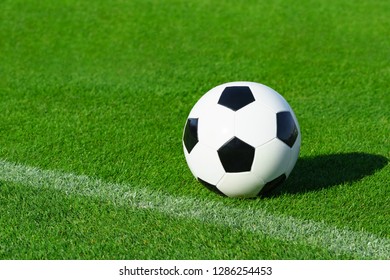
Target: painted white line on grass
(360, 245)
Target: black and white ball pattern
(241, 139)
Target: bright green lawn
(103, 88)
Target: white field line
(360, 245)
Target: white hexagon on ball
(241, 139)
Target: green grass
(80, 227)
(103, 88)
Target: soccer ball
(241, 139)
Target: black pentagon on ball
(236, 97)
(236, 155)
(211, 187)
(190, 137)
(272, 185)
(287, 130)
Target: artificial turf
(103, 88)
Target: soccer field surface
(94, 96)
